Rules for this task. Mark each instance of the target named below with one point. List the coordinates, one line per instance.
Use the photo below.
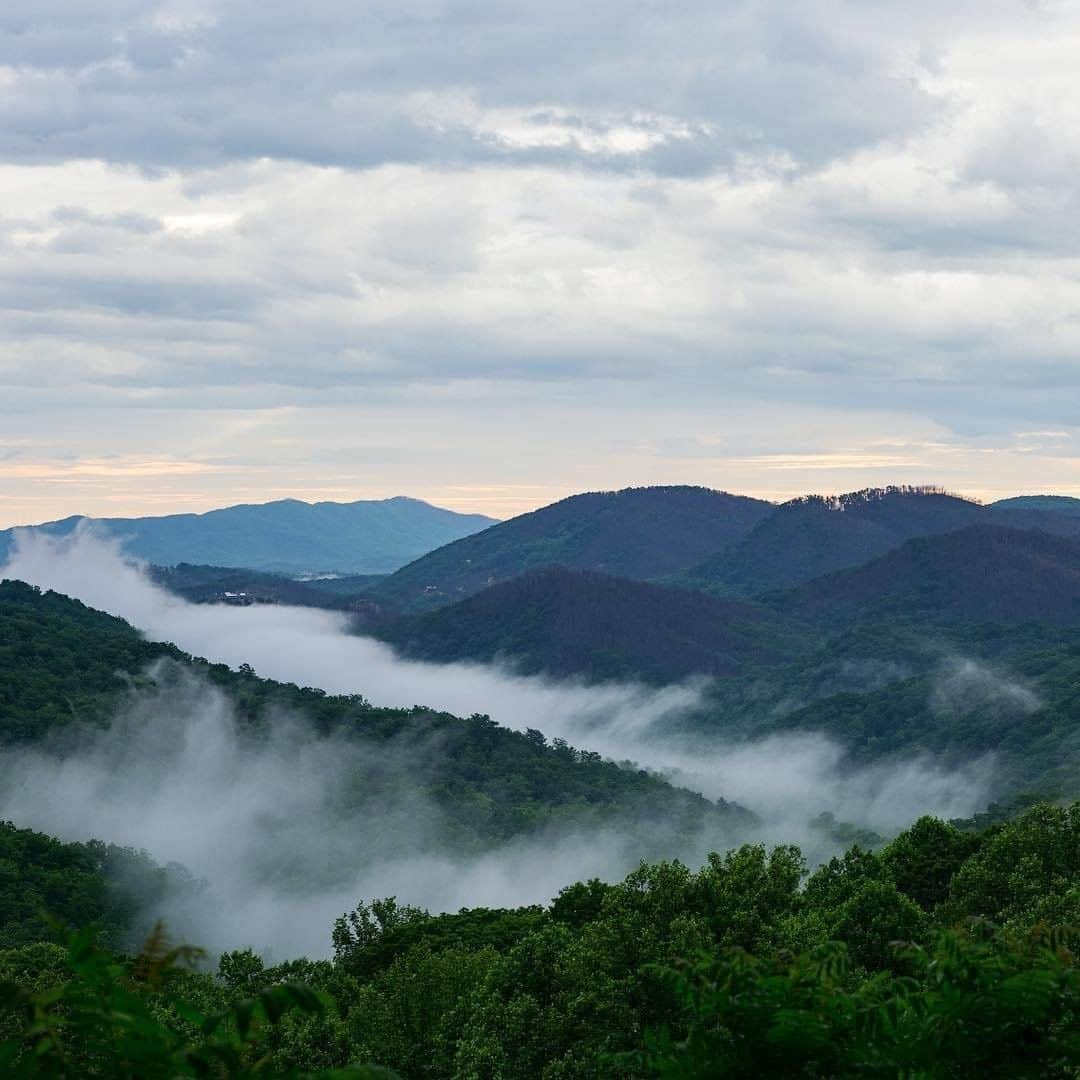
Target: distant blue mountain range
(289, 536)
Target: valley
(248, 754)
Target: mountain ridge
(981, 574)
(372, 536)
(570, 623)
(1057, 504)
(815, 535)
(637, 533)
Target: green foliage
(410, 1016)
(974, 1004)
(873, 919)
(61, 662)
(1025, 872)
(112, 1019)
(923, 860)
(76, 884)
(368, 939)
(873, 969)
(833, 884)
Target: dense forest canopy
(930, 957)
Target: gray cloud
(200, 83)
(760, 207)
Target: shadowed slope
(565, 622)
(637, 533)
(815, 535)
(976, 575)
(1053, 504)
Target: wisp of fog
(174, 775)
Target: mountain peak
(636, 533)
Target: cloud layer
(760, 245)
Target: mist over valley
(288, 823)
(539, 542)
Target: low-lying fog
(172, 777)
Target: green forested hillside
(63, 663)
(982, 574)
(817, 535)
(948, 953)
(43, 881)
(933, 958)
(565, 623)
(959, 646)
(637, 533)
(952, 695)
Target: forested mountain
(289, 536)
(817, 535)
(957, 698)
(637, 533)
(1053, 504)
(62, 663)
(982, 574)
(576, 622)
(932, 956)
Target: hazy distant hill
(816, 535)
(982, 574)
(576, 622)
(636, 533)
(1055, 504)
(290, 536)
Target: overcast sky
(489, 254)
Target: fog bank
(174, 775)
(286, 830)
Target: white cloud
(754, 208)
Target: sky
(490, 254)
